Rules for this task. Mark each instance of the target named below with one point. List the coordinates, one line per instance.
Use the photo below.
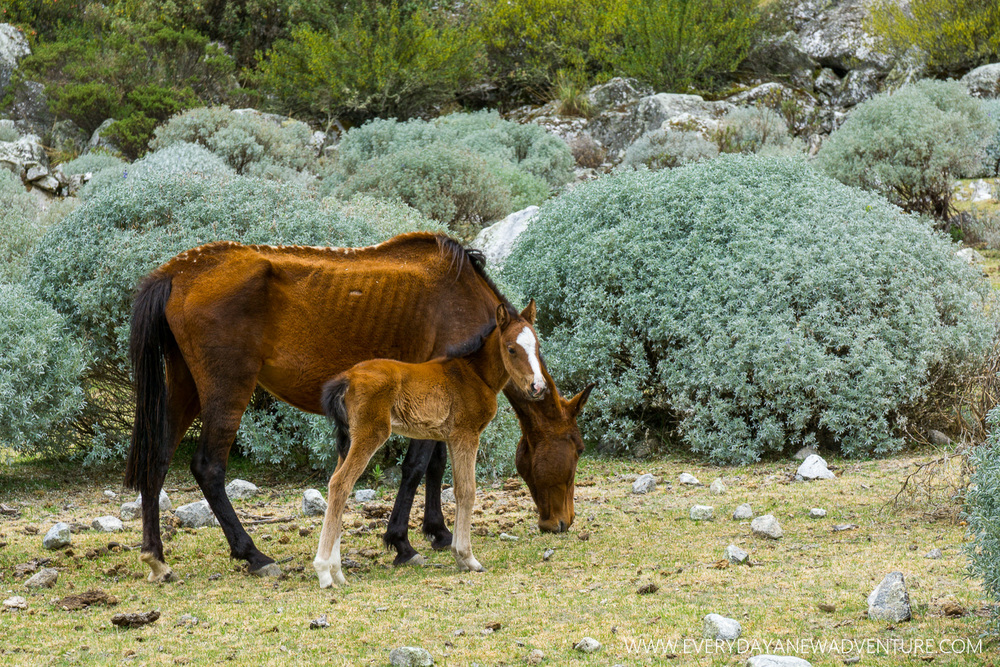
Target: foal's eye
(512, 350)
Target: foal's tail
(147, 456)
(335, 408)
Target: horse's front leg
(463, 462)
(396, 535)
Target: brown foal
(449, 399)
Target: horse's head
(548, 453)
(520, 350)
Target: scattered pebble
(15, 602)
(777, 661)
(58, 536)
(718, 487)
(107, 524)
(130, 511)
(934, 553)
(736, 555)
(509, 538)
(548, 554)
(720, 627)
(364, 495)
(814, 467)
(318, 623)
(187, 620)
(938, 438)
(108, 493)
(890, 601)
(766, 526)
(840, 527)
(535, 657)
(817, 513)
(702, 513)
(588, 645)
(410, 656)
(644, 484)
(240, 489)
(743, 512)
(313, 503)
(136, 620)
(46, 578)
(688, 479)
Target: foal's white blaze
(527, 340)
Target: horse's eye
(512, 350)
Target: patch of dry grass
(588, 587)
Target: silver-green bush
(991, 166)
(666, 149)
(250, 143)
(20, 228)
(747, 304)
(982, 511)
(910, 146)
(40, 373)
(754, 130)
(92, 163)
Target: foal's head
(520, 350)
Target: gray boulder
(934, 553)
(720, 627)
(13, 47)
(313, 503)
(890, 601)
(46, 578)
(165, 504)
(688, 479)
(859, 85)
(30, 110)
(644, 484)
(239, 489)
(617, 93)
(448, 495)
(68, 137)
(736, 555)
(98, 140)
(804, 453)
(743, 512)
(817, 513)
(588, 645)
(834, 35)
(718, 487)
(497, 240)
(814, 467)
(130, 511)
(364, 495)
(766, 526)
(23, 155)
(196, 515)
(783, 58)
(702, 513)
(107, 524)
(984, 81)
(410, 656)
(59, 536)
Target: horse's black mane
(460, 254)
(473, 344)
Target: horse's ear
(529, 312)
(575, 404)
(503, 317)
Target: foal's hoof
(269, 570)
(161, 572)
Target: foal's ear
(575, 404)
(529, 312)
(503, 317)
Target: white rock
(644, 484)
(588, 645)
(736, 555)
(497, 240)
(196, 515)
(890, 601)
(108, 493)
(766, 526)
(969, 256)
(238, 489)
(364, 495)
(59, 536)
(448, 495)
(15, 602)
(718, 487)
(934, 553)
(688, 479)
(702, 513)
(817, 513)
(720, 627)
(46, 578)
(165, 504)
(509, 538)
(814, 467)
(130, 511)
(743, 512)
(107, 524)
(777, 661)
(410, 656)
(313, 503)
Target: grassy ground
(588, 587)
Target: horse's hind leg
(434, 526)
(182, 408)
(418, 456)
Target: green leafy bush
(982, 511)
(665, 149)
(250, 143)
(911, 145)
(19, 226)
(748, 305)
(40, 371)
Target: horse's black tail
(336, 410)
(148, 454)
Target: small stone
(535, 657)
(187, 620)
(318, 623)
(588, 645)
(108, 493)
(548, 554)
(743, 512)
(130, 511)
(313, 503)
(107, 524)
(448, 495)
(766, 526)
(720, 627)
(59, 536)
(777, 661)
(938, 438)
(934, 553)
(648, 588)
(240, 489)
(841, 527)
(165, 504)
(46, 578)
(509, 538)
(736, 555)
(718, 487)
(852, 659)
(814, 467)
(364, 495)
(805, 453)
(410, 656)
(15, 602)
(196, 515)
(688, 479)
(644, 484)
(817, 513)
(702, 513)
(890, 601)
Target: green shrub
(40, 371)
(677, 45)
(8, 132)
(19, 226)
(753, 130)
(749, 305)
(383, 60)
(91, 163)
(176, 160)
(250, 143)
(992, 150)
(954, 36)
(911, 145)
(982, 511)
(665, 149)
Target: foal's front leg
(463, 464)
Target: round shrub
(911, 145)
(40, 373)
(665, 149)
(176, 160)
(991, 166)
(92, 163)
(754, 130)
(982, 511)
(747, 304)
(19, 226)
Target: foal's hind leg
(463, 465)
(418, 456)
(434, 526)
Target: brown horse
(215, 321)
(450, 399)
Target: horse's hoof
(417, 561)
(441, 542)
(269, 570)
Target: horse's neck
(487, 364)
